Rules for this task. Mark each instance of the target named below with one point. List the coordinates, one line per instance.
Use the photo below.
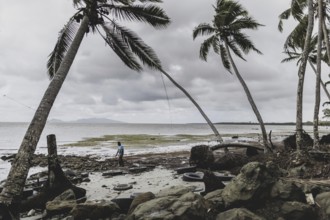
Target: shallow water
(74, 138)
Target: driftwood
(56, 184)
(237, 145)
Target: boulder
(59, 207)
(286, 190)
(215, 202)
(323, 200)
(63, 203)
(175, 191)
(202, 156)
(186, 207)
(139, 199)
(95, 210)
(297, 211)
(238, 214)
(251, 186)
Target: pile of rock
(258, 192)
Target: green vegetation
(143, 140)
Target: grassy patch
(143, 140)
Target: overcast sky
(100, 86)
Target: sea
(67, 134)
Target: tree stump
(56, 184)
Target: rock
(175, 191)
(297, 211)
(186, 207)
(66, 195)
(250, 187)
(202, 156)
(287, 191)
(215, 202)
(60, 207)
(238, 214)
(95, 210)
(211, 182)
(139, 199)
(323, 200)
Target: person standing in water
(120, 153)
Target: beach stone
(95, 210)
(66, 195)
(297, 211)
(186, 207)
(59, 207)
(323, 199)
(175, 191)
(139, 199)
(215, 202)
(238, 214)
(251, 186)
(286, 190)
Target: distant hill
(89, 121)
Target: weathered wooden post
(56, 176)
(52, 158)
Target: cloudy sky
(100, 86)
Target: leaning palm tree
(95, 16)
(226, 36)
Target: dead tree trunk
(57, 182)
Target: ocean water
(11, 135)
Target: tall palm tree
(305, 25)
(318, 76)
(91, 16)
(226, 36)
(295, 54)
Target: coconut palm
(95, 16)
(295, 54)
(225, 35)
(297, 11)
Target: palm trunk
(196, 104)
(251, 101)
(301, 77)
(21, 165)
(316, 143)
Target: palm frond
(245, 23)
(150, 14)
(120, 47)
(296, 37)
(225, 58)
(205, 47)
(62, 45)
(145, 53)
(232, 46)
(245, 43)
(203, 29)
(283, 16)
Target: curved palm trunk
(21, 165)
(301, 76)
(251, 101)
(195, 103)
(316, 143)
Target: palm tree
(91, 15)
(297, 11)
(295, 53)
(318, 76)
(226, 36)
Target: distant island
(88, 121)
